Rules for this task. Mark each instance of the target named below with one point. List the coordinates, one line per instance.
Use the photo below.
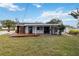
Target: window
(39, 28)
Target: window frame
(39, 28)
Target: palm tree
(75, 14)
(8, 24)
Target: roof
(36, 24)
(32, 23)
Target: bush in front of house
(74, 31)
(61, 28)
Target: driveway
(5, 32)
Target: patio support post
(18, 29)
(35, 29)
(50, 30)
(43, 29)
(53, 30)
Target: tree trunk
(60, 32)
(8, 29)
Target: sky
(38, 12)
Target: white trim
(37, 24)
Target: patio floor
(23, 35)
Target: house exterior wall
(29, 29)
(26, 29)
(34, 30)
(39, 31)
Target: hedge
(74, 31)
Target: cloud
(37, 5)
(57, 13)
(11, 7)
(29, 20)
(48, 15)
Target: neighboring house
(1, 27)
(37, 28)
(68, 28)
(78, 27)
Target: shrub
(74, 31)
(61, 28)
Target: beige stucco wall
(26, 29)
(34, 30)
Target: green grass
(41, 45)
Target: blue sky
(31, 12)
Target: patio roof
(36, 24)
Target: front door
(46, 30)
(17, 30)
(22, 29)
(30, 29)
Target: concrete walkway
(5, 32)
(67, 34)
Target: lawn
(41, 45)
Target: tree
(55, 21)
(8, 24)
(61, 27)
(75, 14)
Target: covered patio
(36, 29)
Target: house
(37, 28)
(0, 25)
(78, 27)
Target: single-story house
(37, 28)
